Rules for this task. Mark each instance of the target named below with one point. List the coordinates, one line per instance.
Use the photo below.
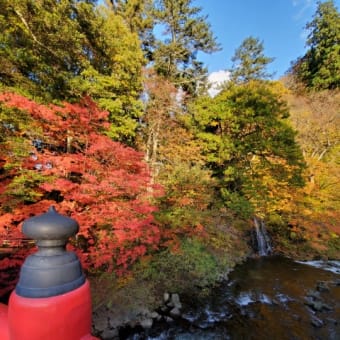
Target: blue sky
(278, 23)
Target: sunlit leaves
(185, 33)
(319, 68)
(249, 62)
(248, 144)
(315, 215)
(102, 184)
(63, 50)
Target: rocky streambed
(122, 323)
(266, 298)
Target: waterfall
(263, 243)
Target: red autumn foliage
(102, 184)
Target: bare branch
(23, 20)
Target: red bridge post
(52, 299)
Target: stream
(269, 297)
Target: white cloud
(216, 79)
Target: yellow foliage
(316, 216)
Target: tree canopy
(68, 161)
(248, 143)
(184, 33)
(61, 50)
(319, 68)
(104, 114)
(249, 62)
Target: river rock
(176, 301)
(175, 312)
(109, 334)
(318, 305)
(118, 317)
(100, 322)
(155, 316)
(313, 294)
(164, 309)
(146, 323)
(316, 322)
(322, 286)
(168, 319)
(166, 297)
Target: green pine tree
(319, 68)
(249, 62)
(185, 33)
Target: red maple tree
(102, 184)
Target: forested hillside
(111, 122)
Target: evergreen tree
(319, 68)
(138, 15)
(60, 50)
(249, 62)
(185, 33)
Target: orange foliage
(315, 216)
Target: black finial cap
(51, 270)
(50, 226)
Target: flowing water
(262, 242)
(266, 298)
